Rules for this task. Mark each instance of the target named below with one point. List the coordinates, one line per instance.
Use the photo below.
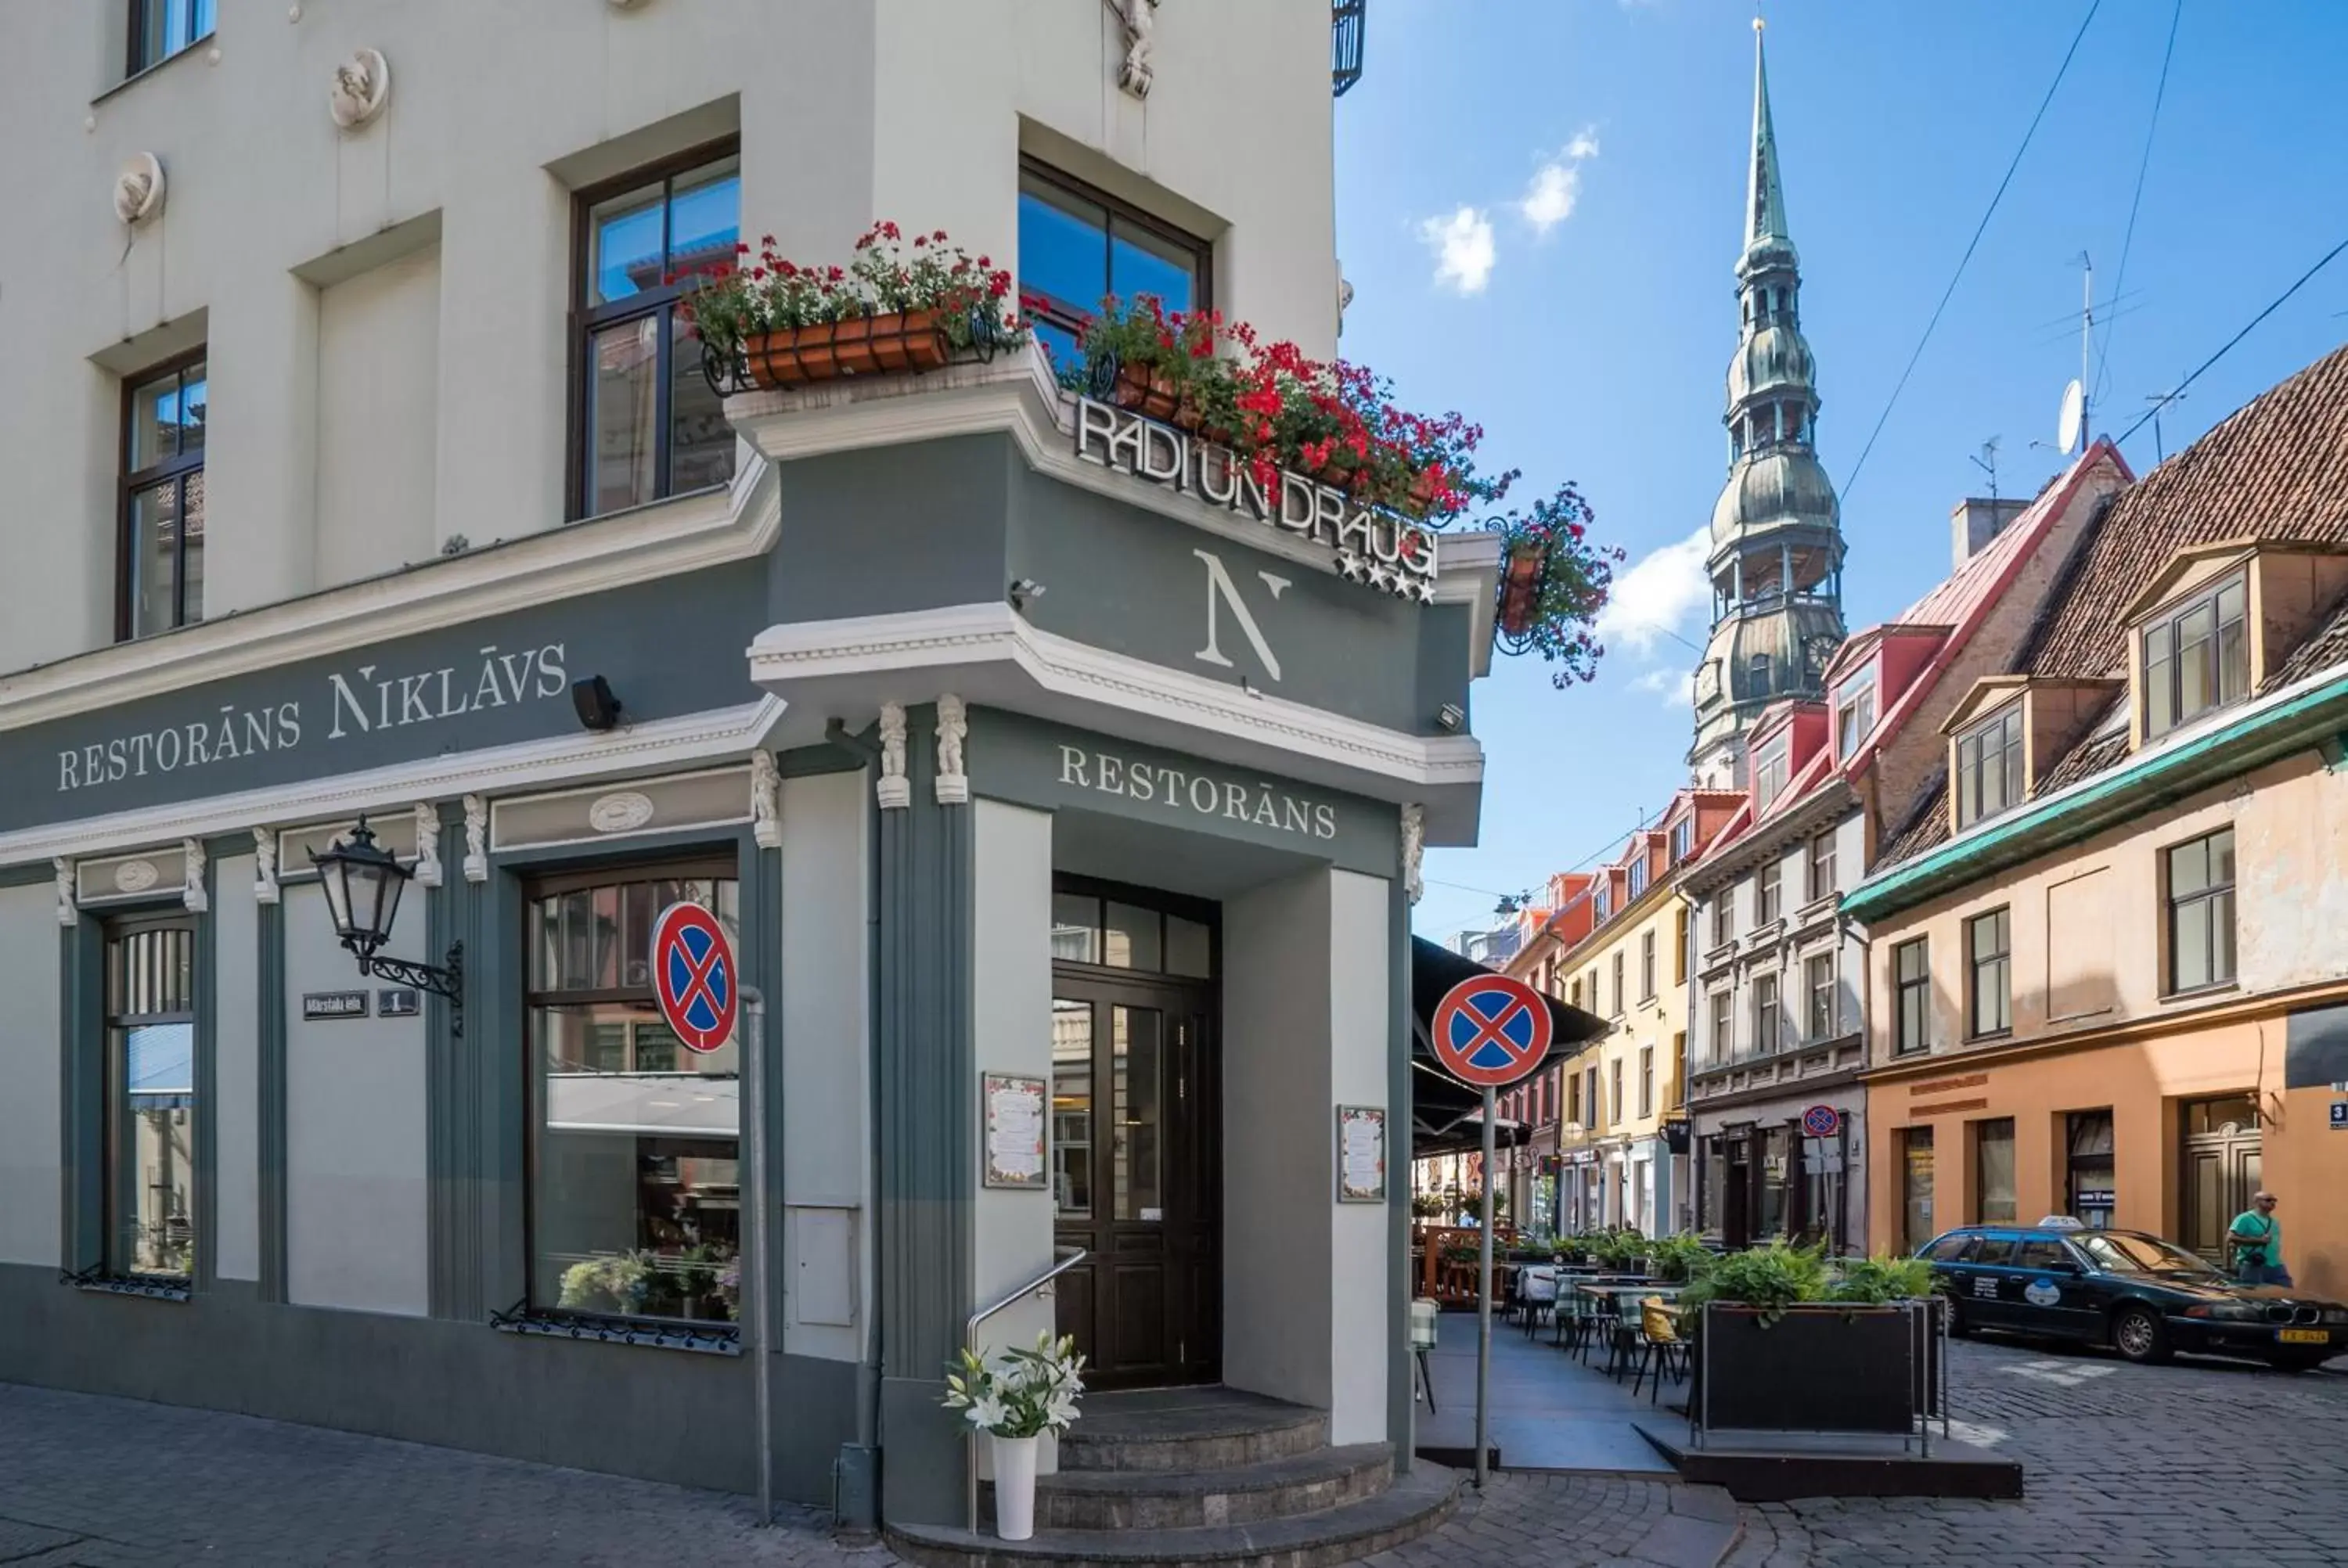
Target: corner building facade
(382, 443)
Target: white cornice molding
(707, 528)
(658, 746)
(909, 656)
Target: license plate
(2302, 1337)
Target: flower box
(860, 345)
(1143, 391)
(1521, 585)
(1819, 1368)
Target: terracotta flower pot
(795, 356)
(1146, 391)
(1521, 589)
(1420, 497)
(1338, 472)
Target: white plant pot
(1014, 1488)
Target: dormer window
(1769, 775)
(1854, 714)
(1989, 766)
(1605, 904)
(2196, 657)
(1638, 876)
(1683, 838)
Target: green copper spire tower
(1776, 536)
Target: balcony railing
(1345, 45)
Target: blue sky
(1582, 307)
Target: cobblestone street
(2199, 1463)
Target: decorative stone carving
(1413, 849)
(362, 86)
(135, 877)
(138, 189)
(264, 865)
(766, 800)
(192, 896)
(477, 839)
(622, 811)
(1344, 301)
(953, 725)
(890, 789)
(68, 913)
(1140, 18)
(427, 845)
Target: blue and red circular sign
(692, 977)
(1821, 1122)
(1490, 1030)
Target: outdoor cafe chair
(1661, 1348)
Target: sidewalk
(1550, 1413)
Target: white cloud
(1675, 687)
(1556, 186)
(1661, 592)
(1462, 244)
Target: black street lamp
(362, 882)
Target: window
(1575, 998)
(2196, 657)
(1573, 1098)
(1988, 953)
(1993, 1168)
(1618, 985)
(1088, 930)
(1639, 874)
(1646, 1080)
(1769, 776)
(1764, 1014)
(1647, 965)
(1078, 244)
(1724, 917)
(1989, 766)
(1819, 975)
(1680, 938)
(651, 425)
(1605, 901)
(160, 579)
(1822, 865)
(2201, 912)
(1916, 1186)
(1949, 1248)
(1593, 989)
(1683, 838)
(1722, 1004)
(1590, 1096)
(1769, 891)
(1854, 715)
(161, 28)
(1911, 981)
(150, 1097)
(634, 1192)
(1614, 1074)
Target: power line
(2159, 91)
(2275, 305)
(1979, 231)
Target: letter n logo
(1223, 594)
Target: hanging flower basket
(1553, 583)
(1520, 588)
(861, 345)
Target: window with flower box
(1078, 245)
(635, 1196)
(648, 423)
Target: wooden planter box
(1819, 1368)
(863, 345)
(1147, 393)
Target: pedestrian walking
(2256, 1236)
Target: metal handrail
(1068, 1257)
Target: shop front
(1079, 921)
(1790, 1166)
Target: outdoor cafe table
(1610, 1292)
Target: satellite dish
(2075, 413)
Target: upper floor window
(1680, 941)
(1618, 985)
(2201, 912)
(151, 1096)
(1989, 953)
(1912, 979)
(1614, 1080)
(1647, 966)
(1722, 1026)
(1646, 1080)
(1683, 838)
(2196, 657)
(1765, 1014)
(1854, 715)
(1818, 977)
(1078, 245)
(1639, 874)
(160, 576)
(1989, 766)
(1822, 865)
(161, 28)
(1724, 917)
(1769, 775)
(1769, 892)
(1573, 1098)
(650, 425)
(1602, 902)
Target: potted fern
(1015, 1400)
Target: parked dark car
(2143, 1296)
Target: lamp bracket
(446, 981)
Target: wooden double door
(1136, 1176)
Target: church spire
(1765, 204)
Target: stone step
(1188, 1429)
(1240, 1494)
(1411, 1506)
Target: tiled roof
(2276, 471)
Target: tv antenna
(2071, 424)
(2161, 400)
(1987, 463)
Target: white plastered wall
(30, 1111)
(356, 1220)
(825, 1013)
(378, 372)
(236, 1068)
(1011, 1025)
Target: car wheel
(2137, 1333)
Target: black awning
(1443, 1109)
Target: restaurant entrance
(1137, 1150)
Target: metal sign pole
(761, 1275)
(1484, 1294)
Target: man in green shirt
(2256, 1236)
